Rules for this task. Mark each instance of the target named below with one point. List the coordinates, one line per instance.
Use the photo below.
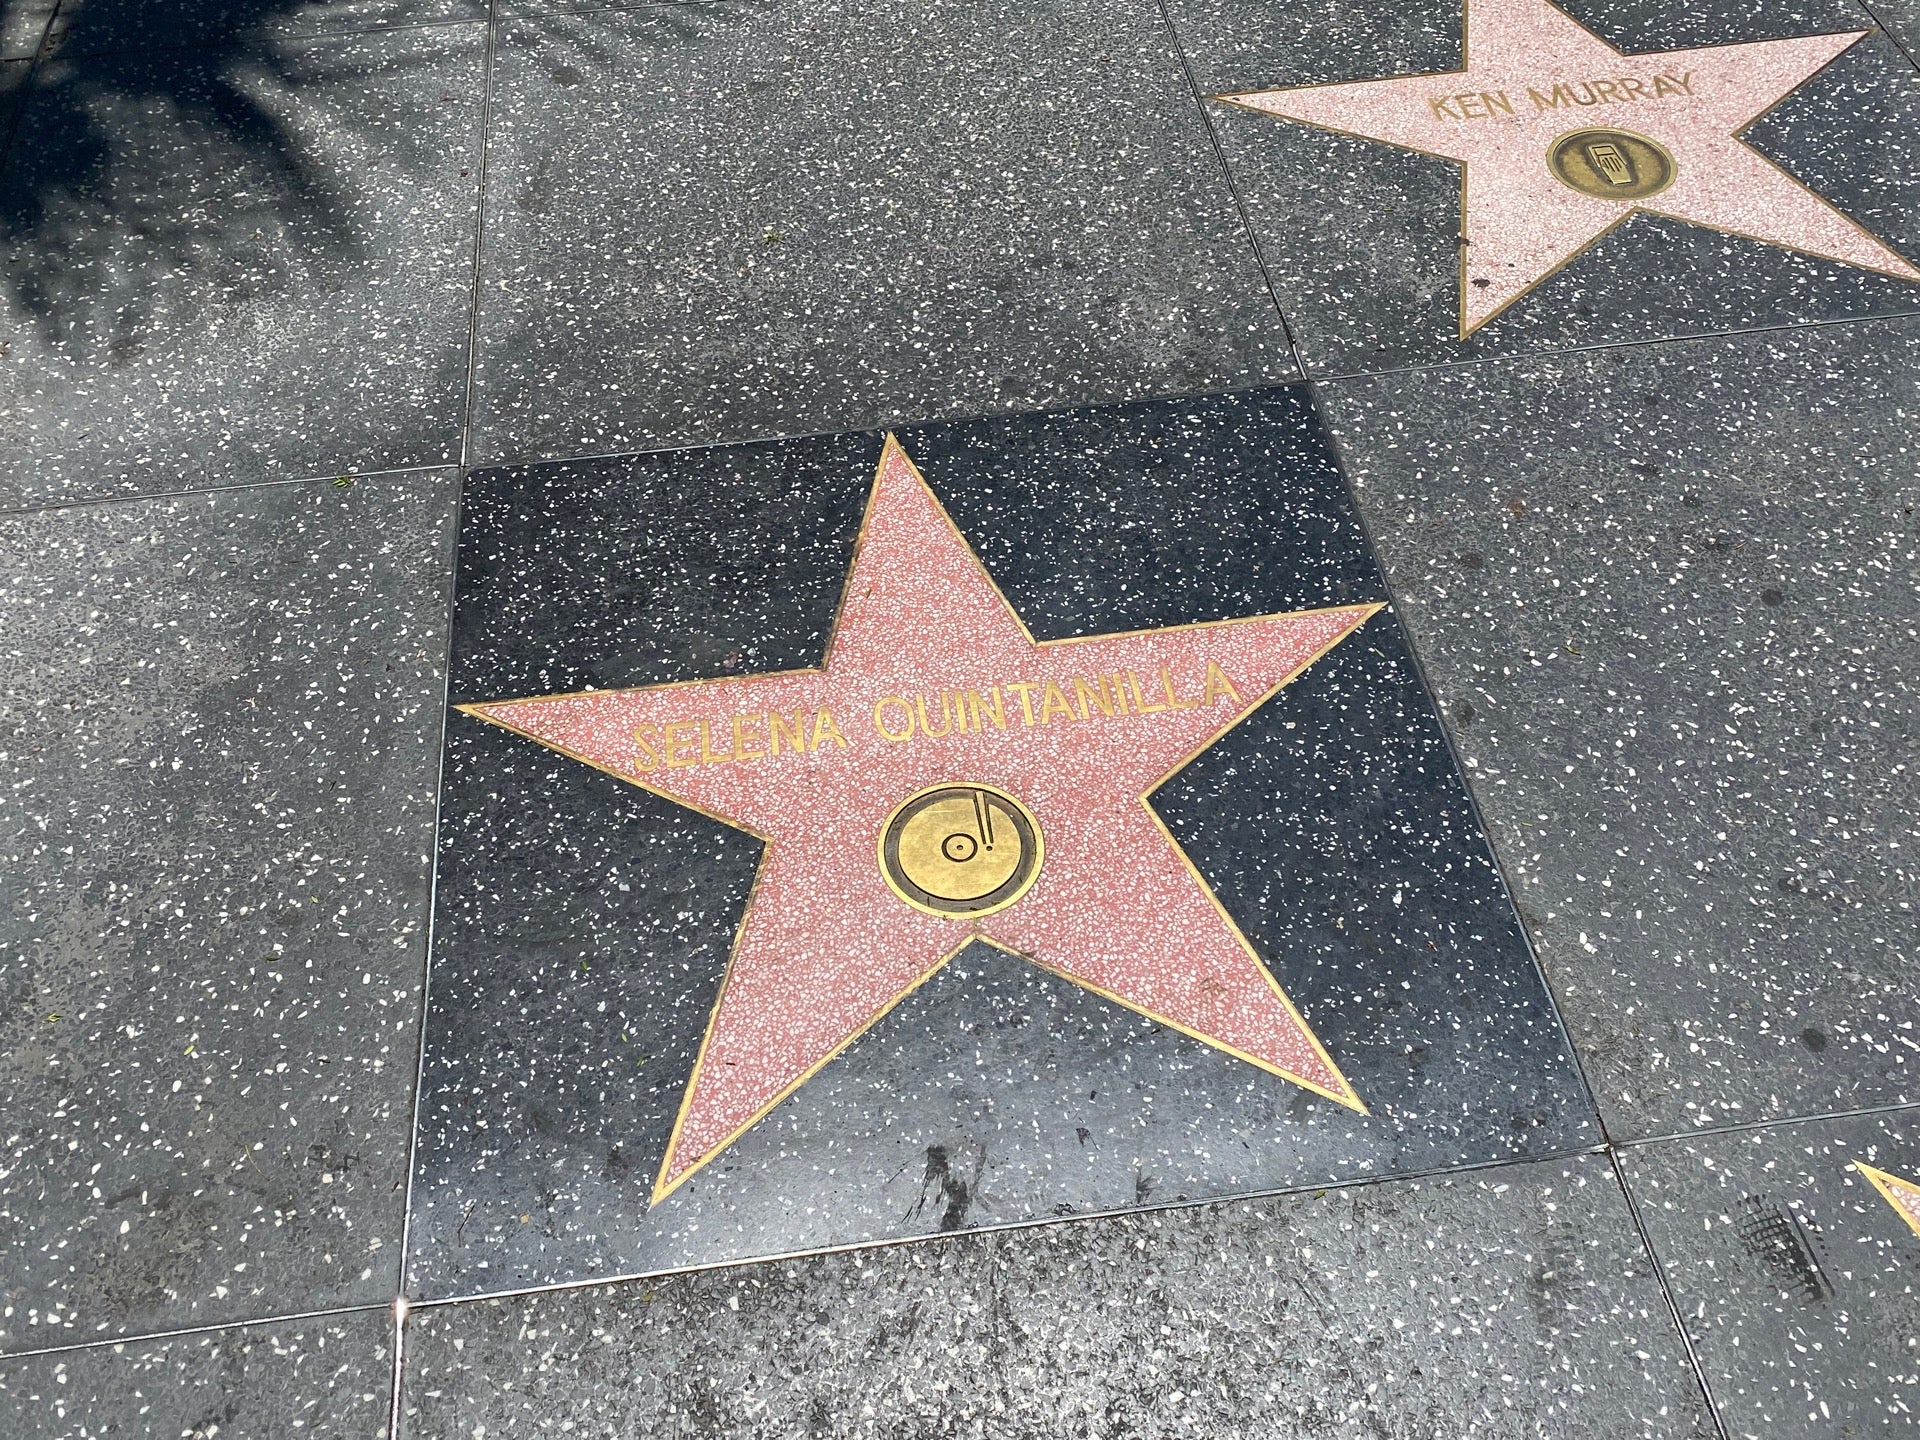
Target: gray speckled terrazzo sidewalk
(1500, 1020)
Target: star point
(1902, 1195)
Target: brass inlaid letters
(1563, 95)
(929, 715)
(683, 744)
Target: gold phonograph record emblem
(1611, 164)
(960, 850)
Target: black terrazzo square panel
(584, 924)
(1406, 220)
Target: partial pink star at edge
(1903, 1195)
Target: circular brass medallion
(1611, 164)
(960, 850)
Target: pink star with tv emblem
(1562, 138)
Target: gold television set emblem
(1611, 164)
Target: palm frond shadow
(146, 179)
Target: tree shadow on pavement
(168, 155)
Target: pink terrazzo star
(1903, 1195)
(931, 680)
(1534, 76)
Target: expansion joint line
(1674, 1316)
(1233, 188)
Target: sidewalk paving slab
(1672, 655)
(742, 220)
(1797, 1280)
(220, 716)
(328, 1378)
(584, 923)
(1513, 1303)
(234, 264)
